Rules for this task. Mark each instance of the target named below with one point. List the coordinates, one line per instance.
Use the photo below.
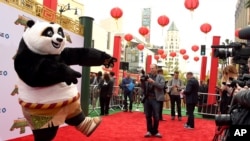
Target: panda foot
(88, 126)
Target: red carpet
(132, 127)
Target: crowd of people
(155, 91)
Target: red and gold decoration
(116, 13)
(185, 57)
(160, 51)
(143, 30)
(163, 56)
(172, 54)
(182, 51)
(191, 4)
(205, 28)
(140, 47)
(157, 57)
(195, 48)
(196, 58)
(237, 32)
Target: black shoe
(125, 110)
(158, 135)
(148, 134)
(163, 120)
(179, 118)
(172, 118)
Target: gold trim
(38, 10)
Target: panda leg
(46, 134)
(86, 125)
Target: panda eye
(60, 32)
(50, 33)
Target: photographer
(152, 86)
(227, 90)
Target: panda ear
(30, 23)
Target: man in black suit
(191, 95)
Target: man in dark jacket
(191, 94)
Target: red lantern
(128, 37)
(195, 48)
(185, 57)
(196, 58)
(157, 57)
(143, 30)
(116, 13)
(160, 51)
(237, 32)
(140, 46)
(172, 54)
(182, 51)
(191, 4)
(205, 28)
(163, 20)
(163, 56)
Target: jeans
(152, 108)
(128, 94)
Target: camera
(144, 77)
(242, 81)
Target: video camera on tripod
(239, 51)
(241, 81)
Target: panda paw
(109, 61)
(72, 78)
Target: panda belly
(46, 95)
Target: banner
(12, 123)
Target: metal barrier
(207, 109)
(116, 100)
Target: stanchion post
(87, 23)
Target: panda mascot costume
(47, 87)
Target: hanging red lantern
(160, 51)
(163, 20)
(205, 28)
(172, 54)
(128, 37)
(196, 58)
(163, 56)
(140, 46)
(237, 32)
(143, 30)
(191, 4)
(157, 57)
(185, 57)
(182, 51)
(195, 48)
(116, 12)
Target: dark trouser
(104, 103)
(151, 107)
(190, 113)
(175, 99)
(160, 110)
(128, 94)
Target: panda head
(44, 38)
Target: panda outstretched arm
(42, 70)
(87, 57)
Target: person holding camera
(175, 86)
(152, 86)
(226, 90)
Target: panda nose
(59, 39)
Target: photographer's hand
(150, 80)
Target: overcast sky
(218, 13)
